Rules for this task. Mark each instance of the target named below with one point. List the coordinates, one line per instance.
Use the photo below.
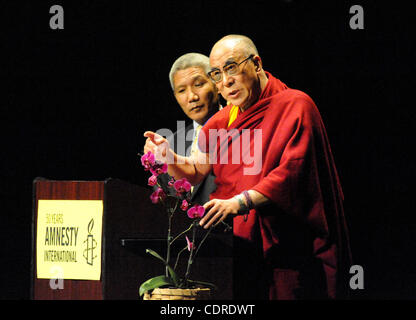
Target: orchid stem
(169, 239)
(182, 233)
(168, 243)
(190, 259)
(177, 258)
(202, 241)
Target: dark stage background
(75, 104)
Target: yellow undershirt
(233, 114)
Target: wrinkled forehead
(225, 52)
(188, 75)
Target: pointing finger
(149, 134)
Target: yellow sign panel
(68, 244)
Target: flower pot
(178, 294)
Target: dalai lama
(290, 234)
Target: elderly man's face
(242, 89)
(195, 93)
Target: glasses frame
(232, 63)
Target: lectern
(76, 223)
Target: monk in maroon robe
(275, 176)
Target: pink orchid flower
(148, 160)
(196, 211)
(171, 182)
(182, 185)
(158, 168)
(184, 205)
(157, 195)
(189, 243)
(152, 181)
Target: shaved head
(237, 42)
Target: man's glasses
(230, 69)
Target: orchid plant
(175, 195)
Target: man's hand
(159, 146)
(218, 210)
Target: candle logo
(91, 245)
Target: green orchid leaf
(155, 282)
(156, 255)
(172, 273)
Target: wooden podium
(131, 223)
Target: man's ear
(258, 63)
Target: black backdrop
(75, 103)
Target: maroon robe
(297, 246)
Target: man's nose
(192, 96)
(227, 80)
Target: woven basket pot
(178, 294)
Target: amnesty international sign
(68, 239)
